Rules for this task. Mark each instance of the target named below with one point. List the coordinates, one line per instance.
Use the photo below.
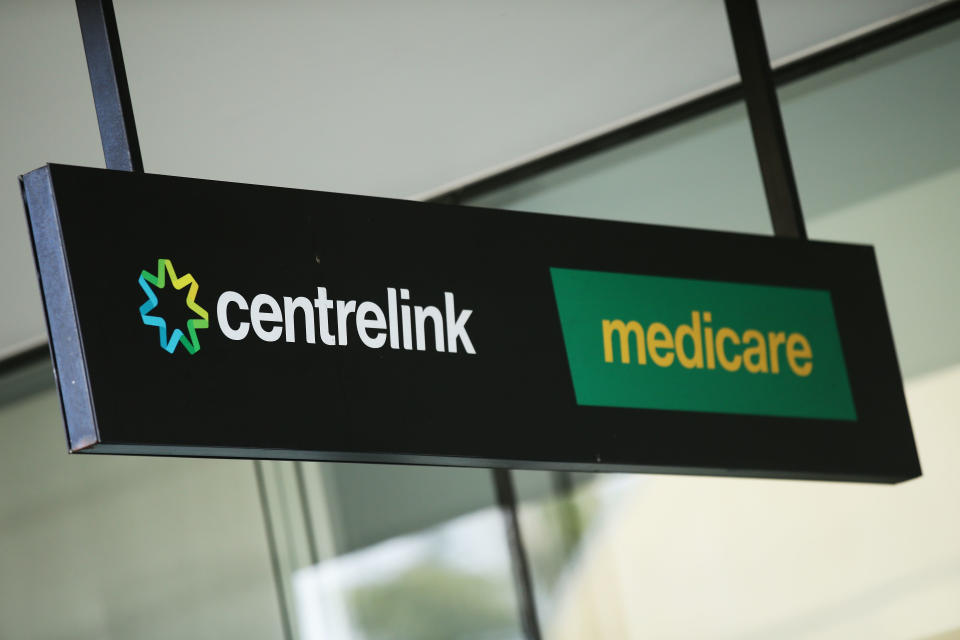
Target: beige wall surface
(751, 559)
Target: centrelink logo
(169, 342)
(402, 325)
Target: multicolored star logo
(169, 343)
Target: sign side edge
(69, 363)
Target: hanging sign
(199, 318)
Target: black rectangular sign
(199, 318)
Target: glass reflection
(448, 581)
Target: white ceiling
(385, 98)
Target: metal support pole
(108, 79)
(507, 500)
(278, 582)
(568, 516)
(313, 549)
(765, 119)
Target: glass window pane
(702, 173)
(876, 146)
(377, 551)
(123, 546)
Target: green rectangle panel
(650, 342)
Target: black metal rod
(766, 122)
(26, 358)
(272, 548)
(108, 79)
(593, 146)
(568, 515)
(312, 549)
(507, 501)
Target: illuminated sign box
(199, 318)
